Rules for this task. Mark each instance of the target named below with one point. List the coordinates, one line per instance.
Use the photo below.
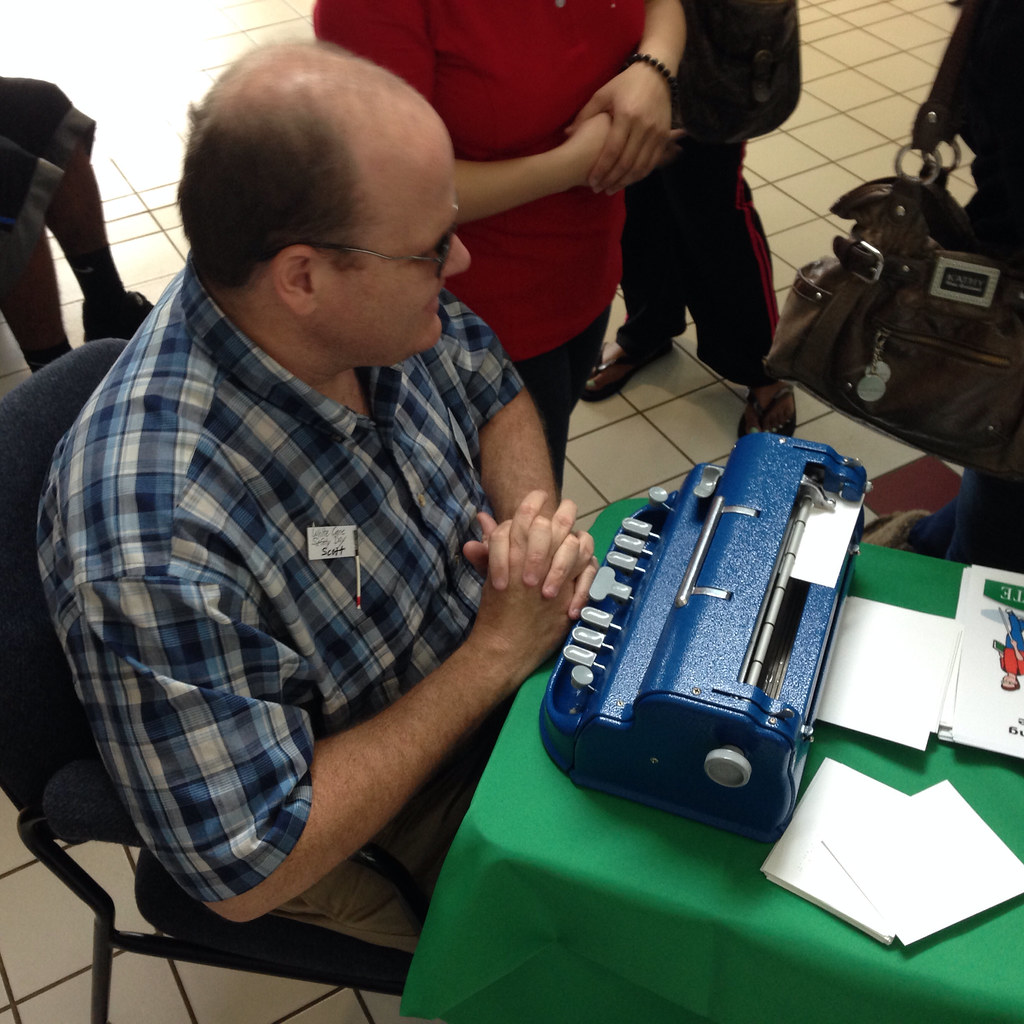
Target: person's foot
(120, 322)
(615, 367)
(1010, 682)
(770, 409)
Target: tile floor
(134, 67)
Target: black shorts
(39, 129)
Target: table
(559, 904)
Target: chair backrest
(42, 724)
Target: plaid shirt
(209, 649)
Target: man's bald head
(277, 150)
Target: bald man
(304, 544)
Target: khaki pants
(355, 900)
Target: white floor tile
(808, 109)
(625, 458)
(899, 72)
(13, 853)
(804, 243)
(847, 88)
(780, 155)
(818, 189)
(145, 259)
(295, 31)
(868, 14)
(578, 488)
(232, 997)
(142, 990)
(892, 117)
(259, 13)
(855, 47)
(838, 136)
(339, 1008)
(47, 931)
(815, 64)
(386, 1010)
(677, 374)
(702, 424)
(908, 31)
(779, 211)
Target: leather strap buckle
(861, 252)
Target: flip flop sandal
(786, 427)
(631, 364)
(1010, 684)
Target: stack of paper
(889, 671)
(891, 864)
(986, 706)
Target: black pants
(693, 241)
(555, 381)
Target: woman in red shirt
(549, 121)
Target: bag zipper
(883, 334)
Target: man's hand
(548, 549)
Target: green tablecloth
(559, 904)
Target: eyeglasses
(440, 251)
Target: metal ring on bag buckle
(932, 164)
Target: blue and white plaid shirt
(209, 649)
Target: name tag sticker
(331, 542)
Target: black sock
(40, 357)
(98, 278)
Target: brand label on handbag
(964, 282)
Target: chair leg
(102, 969)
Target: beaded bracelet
(659, 66)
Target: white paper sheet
(889, 671)
(800, 862)
(928, 864)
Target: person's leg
(75, 217)
(987, 529)
(725, 260)
(651, 283)
(651, 287)
(31, 307)
(48, 178)
(555, 380)
(357, 901)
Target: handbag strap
(939, 118)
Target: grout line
(13, 1006)
(182, 992)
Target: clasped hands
(537, 551)
(639, 135)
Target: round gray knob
(728, 767)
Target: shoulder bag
(740, 73)
(910, 327)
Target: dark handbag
(740, 73)
(910, 327)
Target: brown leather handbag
(910, 327)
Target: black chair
(50, 769)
